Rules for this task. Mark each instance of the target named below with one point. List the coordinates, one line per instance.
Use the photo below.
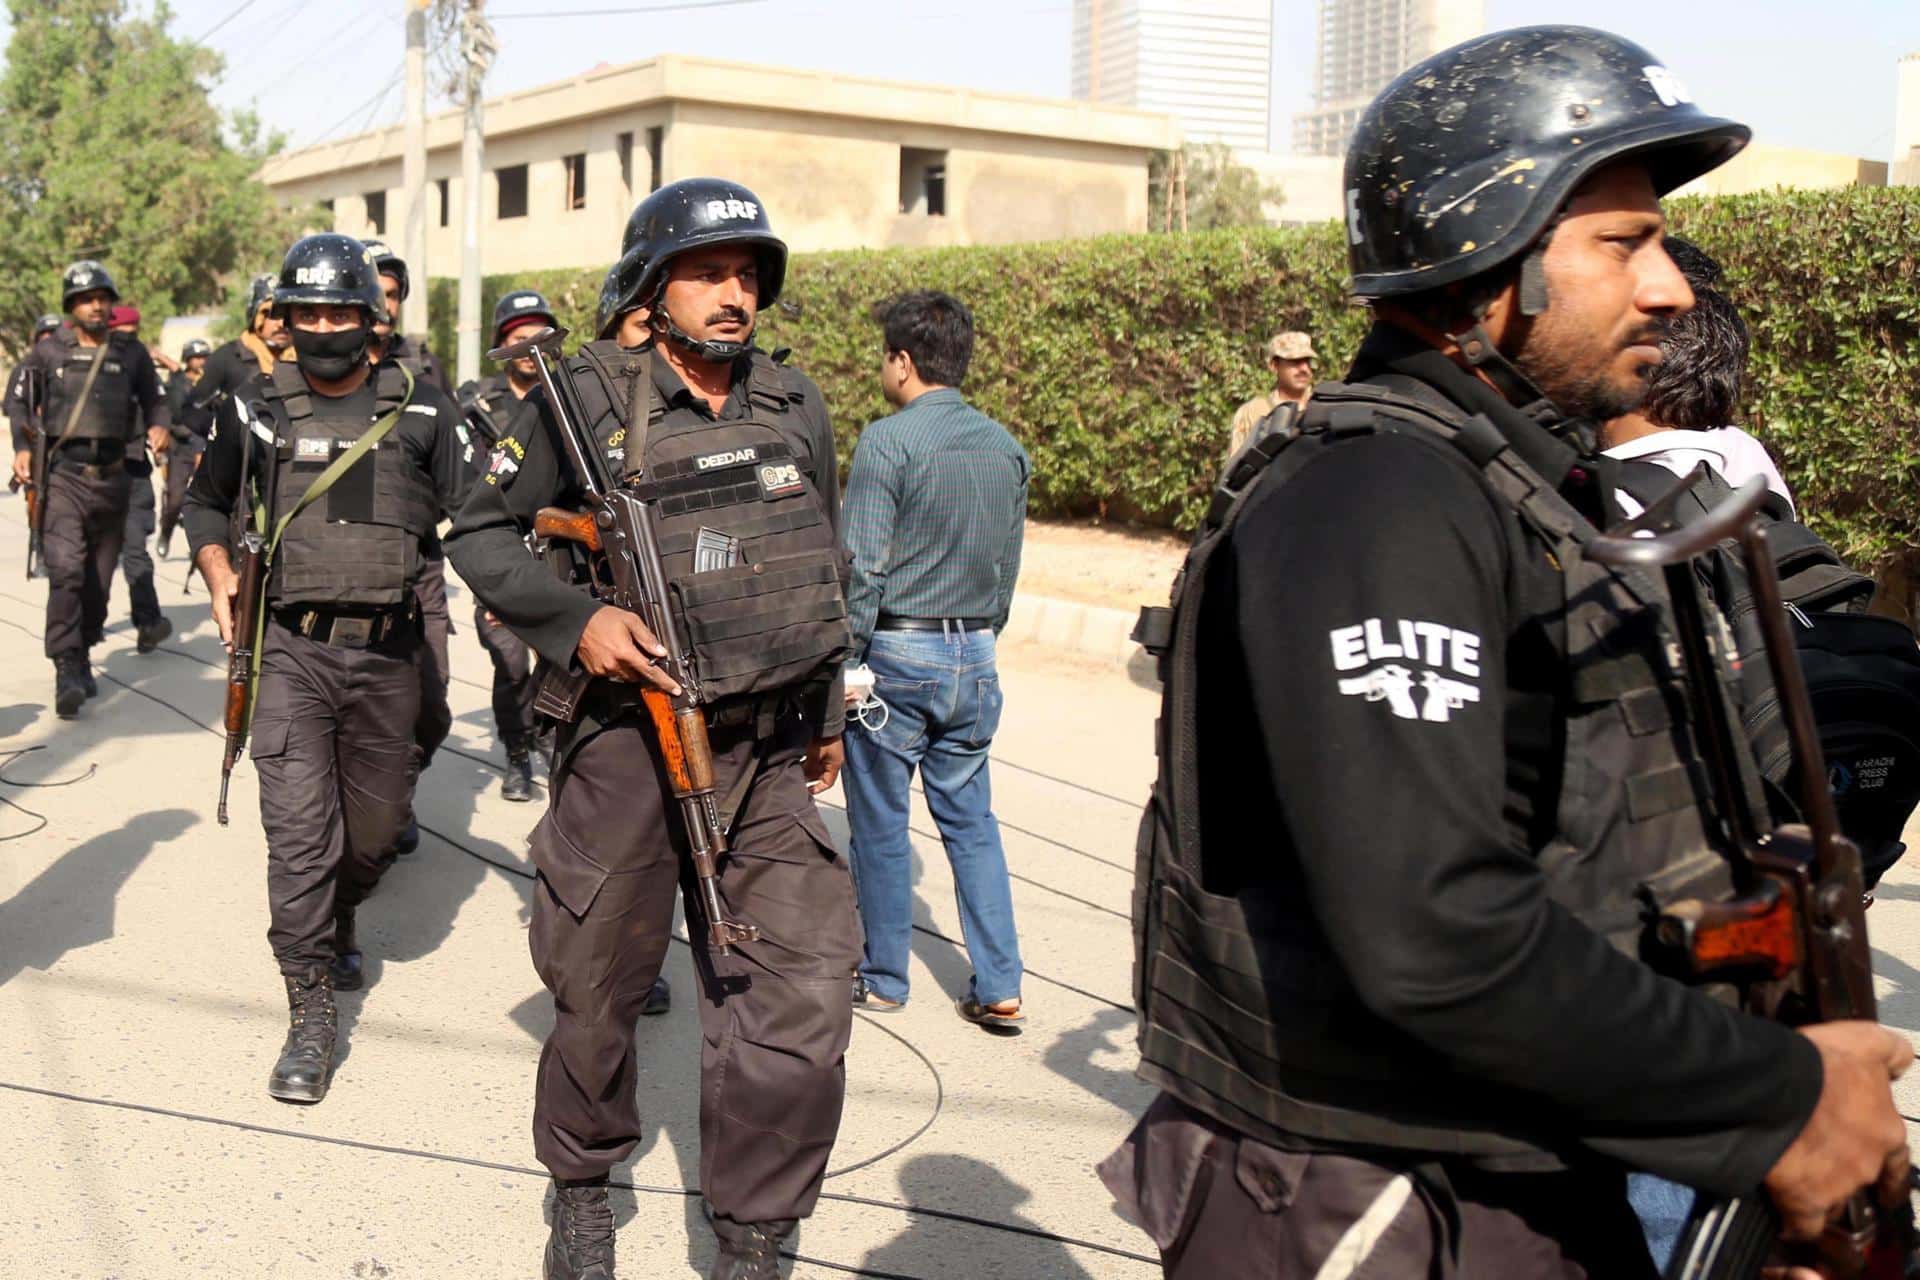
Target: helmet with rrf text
(689, 214)
(329, 269)
(1465, 161)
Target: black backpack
(1863, 671)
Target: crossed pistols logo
(1398, 659)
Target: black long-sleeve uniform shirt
(1414, 839)
(529, 471)
(426, 430)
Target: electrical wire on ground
(521, 873)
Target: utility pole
(477, 47)
(413, 170)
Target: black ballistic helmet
(329, 270)
(687, 215)
(606, 313)
(259, 294)
(1464, 161)
(45, 324)
(390, 263)
(197, 347)
(85, 277)
(521, 302)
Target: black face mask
(331, 356)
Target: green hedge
(1118, 361)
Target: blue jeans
(943, 699)
(1663, 1209)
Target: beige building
(839, 162)
(1763, 167)
(1906, 123)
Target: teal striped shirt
(936, 506)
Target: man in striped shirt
(935, 508)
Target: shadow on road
(71, 904)
(18, 717)
(1108, 1033)
(987, 1193)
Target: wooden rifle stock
(568, 526)
(246, 622)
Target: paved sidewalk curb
(1089, 630)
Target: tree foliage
(1220, 191)
(111, 149)
(1118, 361)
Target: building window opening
(576, 180)
(656, 143)
(513, 191)
(446, 200)
(625, 147)
(923, 182)
(377, 212)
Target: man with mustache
(100, 385)
(1426, 773)
(738, 451)
(265, 342)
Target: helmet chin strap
(1479, 350)
(708, 348)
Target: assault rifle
(1796, 936)
(32, 396)
(249, 540)
(616, 532)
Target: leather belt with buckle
(345, 630)
(889, 623)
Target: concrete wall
(1762, 168)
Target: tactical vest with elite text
(357, 544)
(1245, 1012)
(108, 411)
(755, 570)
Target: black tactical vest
(754, 569)
(358, 544)
(108, 412)
(1245, 1013)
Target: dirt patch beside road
(1099, 564)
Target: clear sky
(1808, 73)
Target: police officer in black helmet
(1409, 1031)
(436, 717)
(676, 388)
(99, 386)
(353, 465)
(189, 435)
(489, 405)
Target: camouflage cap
(1290, 346)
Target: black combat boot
(581, 1246)
(69, 685)
(749, 1250)
(659, 998)
(409, 838)
(305, 1067)
(147, 638)
(86, 674)
(345, 968)
(518, 784)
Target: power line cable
(211, 31)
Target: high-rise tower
(1364, 44)
(1207, 63)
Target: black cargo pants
(774, 1017)
(513, 687)
(434, 720)
(136, 565)
(80, 538)
(333, 745)
(180, 462)
(1222, 1206)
